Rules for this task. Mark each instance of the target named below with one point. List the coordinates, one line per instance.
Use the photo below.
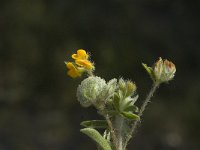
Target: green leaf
(132, 108)
(130, 115)
(116, 101)
(95, 124)
(97, 137)
(149, 71)
(129, 101)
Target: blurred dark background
(38, 106)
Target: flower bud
(169, 69)
(164, 71)
(131, 88)
(94, 91)
(122, 85)
(158, 68)
(127, 88)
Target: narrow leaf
(116, 101)
(130, 115)
(130, 101)
(132, 108)
(149, 71)
(95, 124)
(96, 136)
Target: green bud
(123, 96)
(127, 88)
(131, 88)
(122, 85)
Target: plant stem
(119, 125)
(146, 101)
(112, 131)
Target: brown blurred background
(38, 106)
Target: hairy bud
(94, 91)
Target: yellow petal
(73, 71)
(74, 56)
(81, 54)
(85, 63)
(69, 65)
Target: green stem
(146, 101)
(119, 125)
(112, 131)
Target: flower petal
(81, 54)
(73, 71)
(84, 63)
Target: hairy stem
(145, 103)
(119, 126)
(112, 131)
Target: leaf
(116, 101)
(130, 101)
(132, 108)
(96, 136)
(130, 115)
(149, 71)
(95, 124)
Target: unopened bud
(164, 71)
(131, 88)
(127, 87)
(89, 90)
(122, 85)
(95, 91)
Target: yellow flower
(81, 59)
(73, 71)
(85, 63)
(80, 65)
(81, 54)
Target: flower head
(81, 64)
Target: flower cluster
(80, 65)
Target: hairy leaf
(97, 137)
(130, 115)
(149, 71)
